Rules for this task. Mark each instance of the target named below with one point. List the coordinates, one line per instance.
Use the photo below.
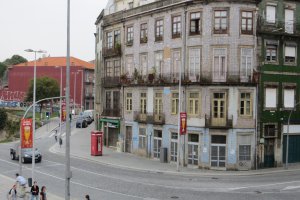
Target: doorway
(128, 139)
(218, 151)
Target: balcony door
(289, 21)
(219, 65)
(219, 111)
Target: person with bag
(43, 193)
(12, 194)
(34, 191)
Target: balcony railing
(111, 81)
(212, 122)
(111, 112)
(140, 117)
(277, 27)
(111, 51)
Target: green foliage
(14, 60)
(12, 128)
(45, 87)
(3, 67)
(3, 119)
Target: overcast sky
(41, 24)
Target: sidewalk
(80, 148)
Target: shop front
(111, 130)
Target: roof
(58, 61)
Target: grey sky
(41, 24)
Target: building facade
(144, 49)
(278, 41)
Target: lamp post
(60, 101)
(179, 110)
(81, 89)
(75, 73)
(33, 110)
(287, 137)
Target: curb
(256, 173)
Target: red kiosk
(96, 143)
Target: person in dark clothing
(87, 197)
(34, 191)
(43, 193)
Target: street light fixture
(33, 110)
(179, 110)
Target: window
(270, 130)
(176, 60)
(117, 38)
(143, 64)
(176, 26)
(245, 104)
(117, 68)
(194, 63)
(271, 13)
(246, 62)
(130, 35)
(173, 147)
(129, 102)
(108, 100)
(289, 21)
(158, 106)
(195, 23)
(290, 54)
(116, 100)
(159, 29)
(221, 22)
(144, 33)
(175, 103)
(142, 138)
(158, 61)
(143, 103)
(244, 152)
(289, 98)
(130, 5)
(129, 65)
(193, 103)
(270, 97)
(109, 40)
(247, 22)
(219, 105)
(219, 67)
(271, 53)
(109, 69)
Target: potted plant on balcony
(124, 78)
(118, 48)
(135, 75)
(151, 75)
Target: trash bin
(163, 155)
(29, 182)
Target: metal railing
(111, 81)
(212, 122)
(111, 51)
(109, 112)
(277, 26)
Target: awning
(112, 123)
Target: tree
(3, 118)
(45, 87)
(3, 67)
(14, 60)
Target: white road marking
(291, 187)
(265, 185)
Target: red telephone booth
(96, 143)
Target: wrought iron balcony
(140, 117)
(111, 81)
(112, 51)
(221, 123)
(109, 112)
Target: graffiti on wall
(6, 95)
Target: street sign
(26, 133)
(183, 122)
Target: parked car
(26, 154)
(89, 113)
(81, 122)
(88, 119)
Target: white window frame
(176, 63)
(143, 103)
(271, 14)
(142, 138)
(129, 65)
(289, 20)
(271, 98)
(194, 63)
(193, 102)
(143, 64)
(288, 98)
(290, 51)
(219, 74)
(129, 101)
(246, 63)
(158, 61)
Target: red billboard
(26, 133)
(183, 122)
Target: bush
(3, 119)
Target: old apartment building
(139, 53)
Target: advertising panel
(26, 133)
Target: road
(106, 182)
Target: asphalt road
(110, 183)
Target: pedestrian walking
(55, 136)
(87, 197)
(34, 191)
(43, 195)
(60, 142)
(12, 193)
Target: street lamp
(33, 110)
(75, 73)
(60, 101)
(287, 137)
(179, 110)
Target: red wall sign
(26, 133)
(183, 122)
